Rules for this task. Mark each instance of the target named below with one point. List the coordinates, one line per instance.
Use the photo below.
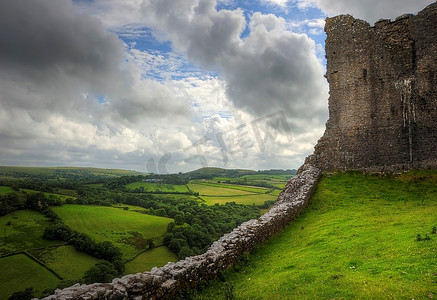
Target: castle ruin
(383, 94)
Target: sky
(165, 86)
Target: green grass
(66, 261)
(19, 272)
(208, 190)
(128, 230)
(23, 230)
(356, 240)
(250, 199)
(5, 190)
(160, 187)
(156, 257)
(246, 188)
(130, 207)
(60, 196)
(268, 178)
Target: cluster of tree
(210, 173)
(82, 242)
(36, 201)
(278, 172)
(197, 226)
(121, 182)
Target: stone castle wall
(383, 94)
(165, 282)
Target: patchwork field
(156, 257)
(66, 261)
(208, 190)
(5, 190)
(126, 229)
(22, 230)
(248, 199)
(20, 271)
(358, 239)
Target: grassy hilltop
(362, 237)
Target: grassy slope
(126, 229)
(250, 199)
(19, 272)
(24, 232)
(5, 190)
(207, 190)
(156, 257)
(356, 240)
(66, 261)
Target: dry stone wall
(383, 94)
(165, 282)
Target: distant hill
(64, 172)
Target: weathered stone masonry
(383, 94)
(163, 283)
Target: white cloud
(280, 3)
(370, 10)
(82, 97)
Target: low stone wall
(165, 282)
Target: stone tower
(383, 94)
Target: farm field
(156, 257)
(19, 272)
(246, 188)
(5, 190)
(60, 196)
(22, 230)
(126, 229)
(66, 261)
(358, 239)
(97, 207)
(249, 199)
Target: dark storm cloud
(50, 34)
(55, 65)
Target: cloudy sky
(167, 85)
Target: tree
(27, 294)
(179, 219)
(150, 243)
(185, 252)
(102, 271)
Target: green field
(22, 230)
(158, 187)
(19, 272)
(246, 188)
(249, 199)
(66, 261)
(61, 197)
(208, 190)
(356, 240)
(126, 229)
(156, 257)
(5, 190)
